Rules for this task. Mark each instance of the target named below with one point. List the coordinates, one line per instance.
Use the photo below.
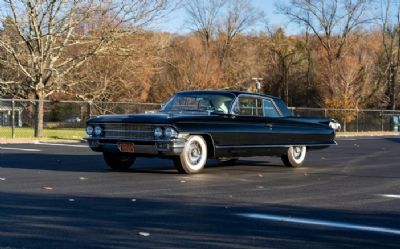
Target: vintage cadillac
(194, 126)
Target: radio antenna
(258, 83)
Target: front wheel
(193, 157)
(295, 156)
(118, 161)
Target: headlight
(98, 130)
(170, 133)
(158, 132)
(335, 125)
(89, 130)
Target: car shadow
(259, 162)
(393, 139)
(78, 163)
(95, 163)
(67, 221)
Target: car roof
(234, 92)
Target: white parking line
(390, 196)
(65, 145)
(20, 149)
(323, 223)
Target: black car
(194, 126)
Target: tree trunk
(39, 113)
(390, 90)
(286, 74)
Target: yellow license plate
(126, 147)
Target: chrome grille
(129, 131)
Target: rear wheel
(118, 161)
(295, 156)
(193, 157)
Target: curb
(34, 141)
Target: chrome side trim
(270, 146)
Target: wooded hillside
(344, 55)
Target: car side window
(269, 109)
(249, 106)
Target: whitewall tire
(295, 156)
(193, 157)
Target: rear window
(249, 106)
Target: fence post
(357, 119)
(13, 118)
(325, 112)
(381, 120)
(293, 109)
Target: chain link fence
(62, 119)
(66, 119)
(355, 120)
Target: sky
(175, 22)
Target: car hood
(146, 118)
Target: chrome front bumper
(171, 147)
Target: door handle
(269, 125)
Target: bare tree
(334, 24)
(124, 72)
(240, 16)
(331, 21)
(57, 36)
(203, 16)
(390, 21)
(286, 55)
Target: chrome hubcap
(297, 152)
(194, 153)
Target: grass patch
(56, 133)
(367, 133)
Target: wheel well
(210, 144)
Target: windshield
(200, 102)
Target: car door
(282, 130)
(276, 133)
(252, 128)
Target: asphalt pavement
(64, 196)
